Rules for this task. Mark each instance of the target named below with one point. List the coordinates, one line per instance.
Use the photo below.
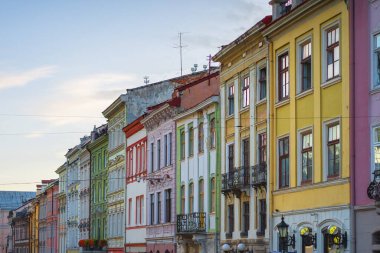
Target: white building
(62, 221)
(135, 232)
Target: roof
(10, 200)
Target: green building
(99, 157)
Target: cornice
(114, 107)
(203, 104)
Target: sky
(63, 62)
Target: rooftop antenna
(180, 49)
(146, 80)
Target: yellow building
(244, 127)
(33, 220)
(309, 129)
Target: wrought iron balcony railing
(236, 180)
(259, 175)
(191, 223)
(373, 190)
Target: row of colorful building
(278, 150)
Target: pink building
(365, 122)
(48, 217)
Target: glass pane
(337, 35)
(337, 151)
(376, 135)
(336, 53)
(330, 71)
(328, 38)
(377, 40)
(378, 67)
(337, 129)
(377, 157)
(336, 68)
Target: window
(143, 165)
(200, 138)
(262, 83)
(245, 151)
(230, 217)
(283, 76)
(191, 197)
(262, 148)
(245, 218)
(158, 154)
(376, 60)
(245, 92)
(230, 157)
(201, 196)
(166, 149)
(332, 52)
(138, 211)
(168, 205)
(283, 151)
(306, 66)
(212, 133)
(191, 141)
(170, 149)
(307, 157)
(213, 194)
(159, 207)
(376, 148)
(152, 209)
(262, 217)
(231, 94)
(183, 199)
(182, 140)
(333, 150)
(152, 157)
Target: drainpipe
(269, 190)
(351, 8)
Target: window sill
(244, 234)
(331, 82)
(231, 116)
(282, 103)
(374, 90)
(244, 109)
(260, 102)
(304, 93)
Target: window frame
(230, 157)
(280, 71)
(262, 155)
(201, 206)
(281, 157)
(183, 199)
(191, 197)
(326, 125)
(324, 45)
(213, 195)
(230, 99)
(152, 206)
(300, 151)
(201, 145)
(375, 66)
(373, 145)
(305, 40)
(158, 154)
(212, 132)
(330, 49)
(182, 140)
(245, 86)
(262, 83)
(159, 207)
(191, 140)
(245, 218)
(168, 205)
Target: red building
(48, 217)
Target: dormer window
(285, 6)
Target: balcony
(373, 190)
(191, 223)
(259, 176)
(235, 181)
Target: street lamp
(239, 248)
(285, 240)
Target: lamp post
(285, 239)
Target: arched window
(201, 195)
(213, 194)
(200, 138)
(212, 133)
(183, 199)
(191, 197)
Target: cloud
(11, 80)
(85, 96)
(33, 135)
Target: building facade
(99, 178)
(160, 179)
(365, 132)
(72, 200)
(48, 217)
(84, 189)
(244, 135)
(198, 166)
(136, 152)
(115, 115)
(309, 126)
(62, 210)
